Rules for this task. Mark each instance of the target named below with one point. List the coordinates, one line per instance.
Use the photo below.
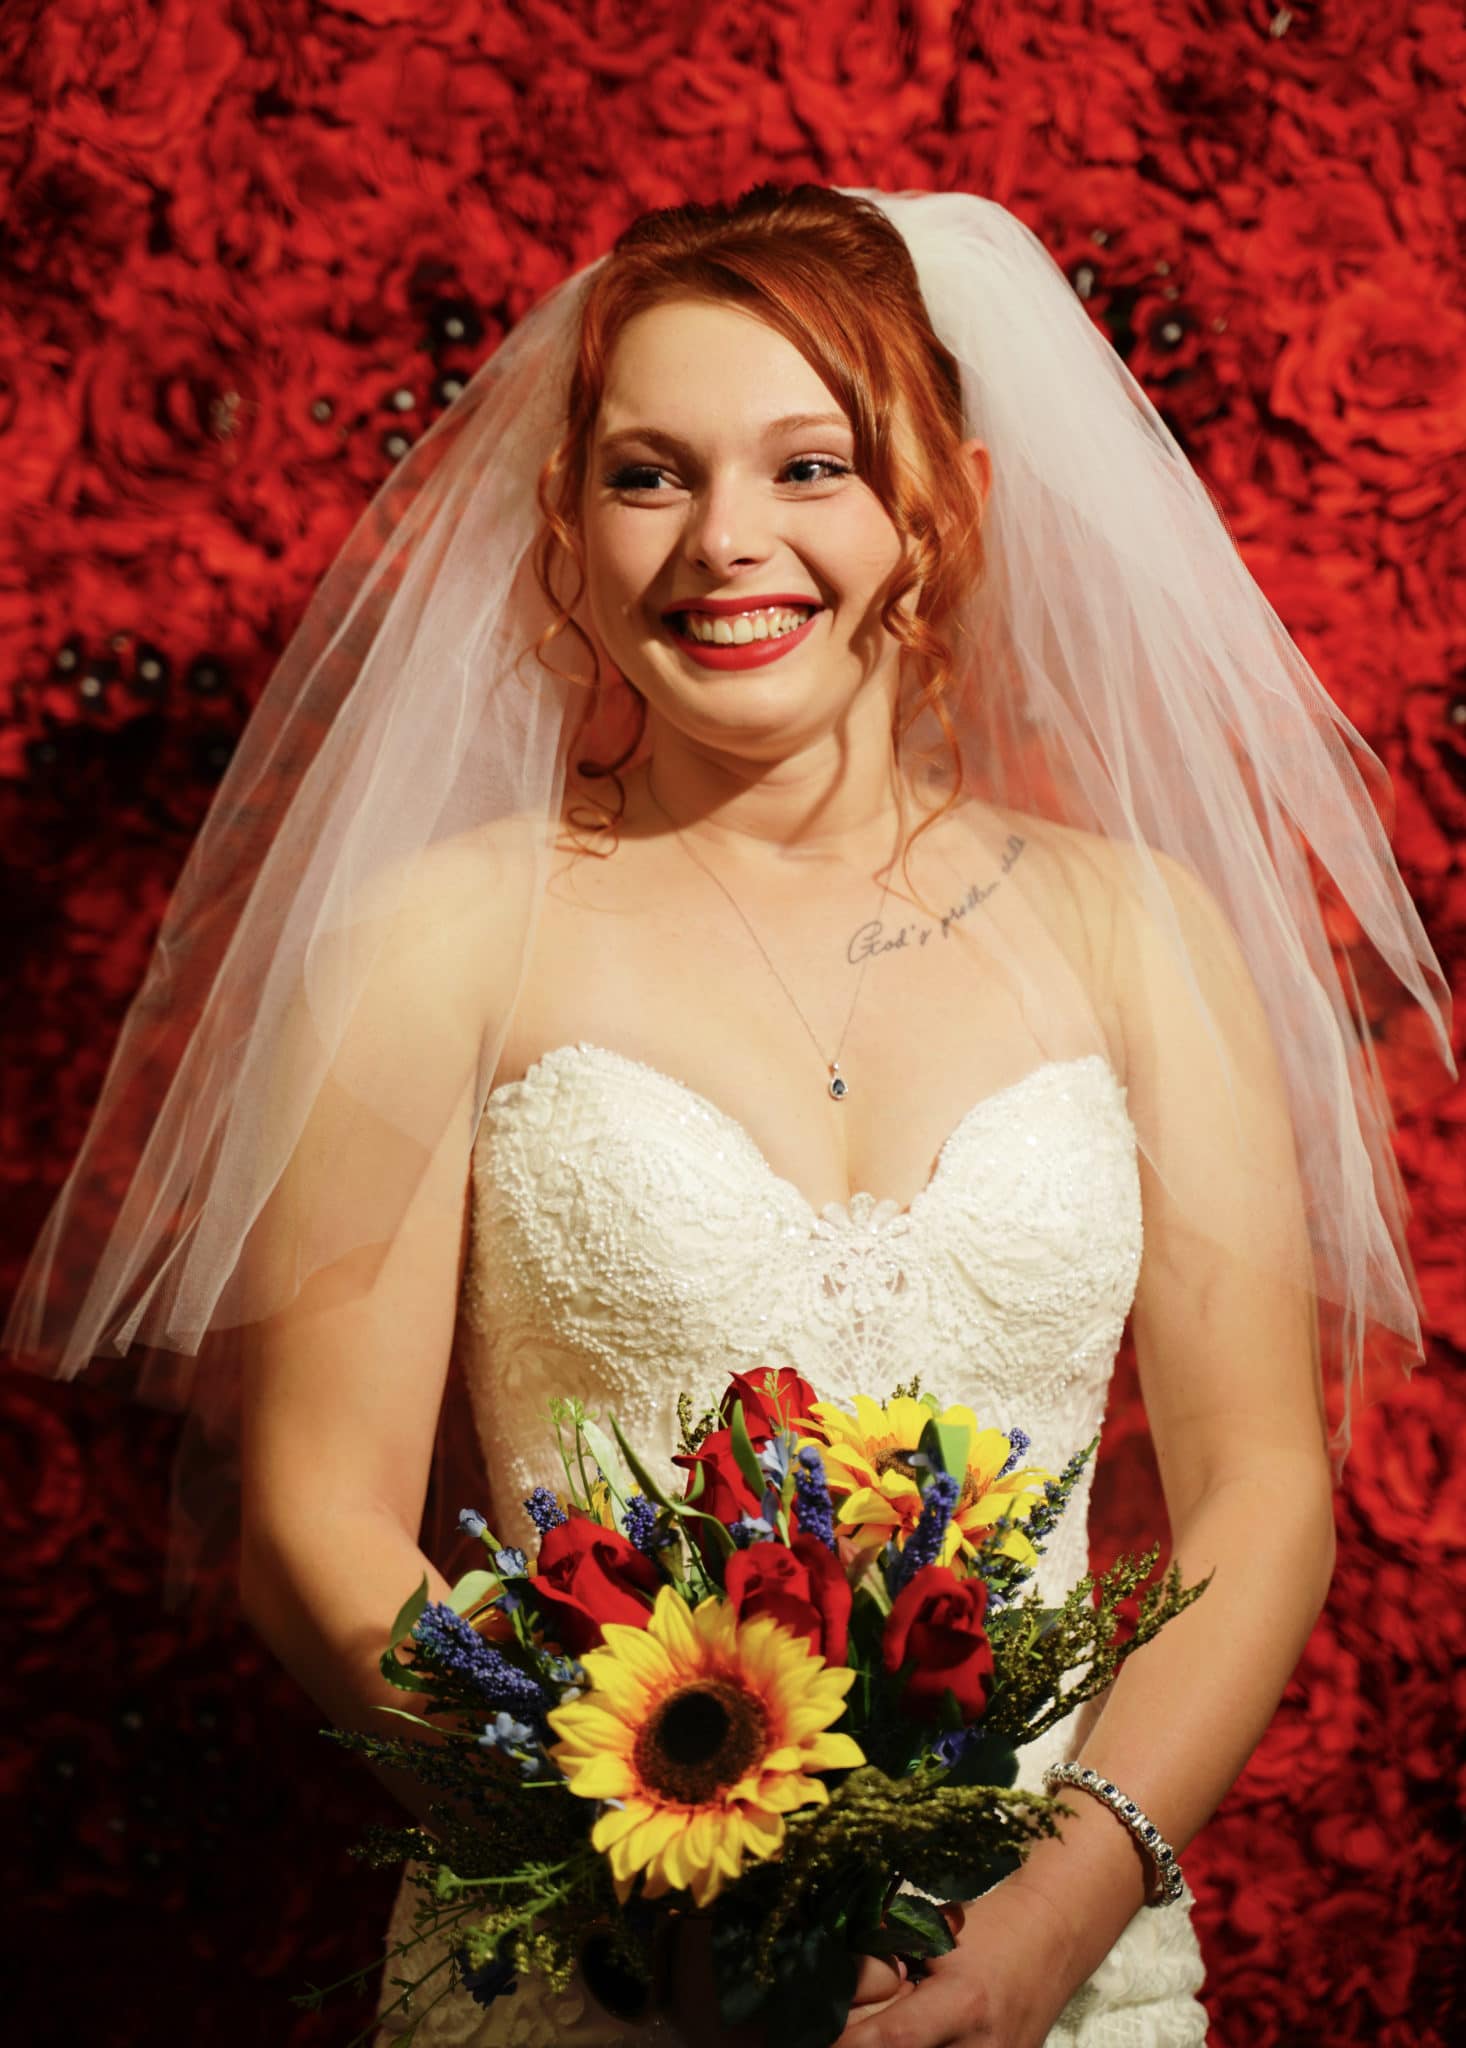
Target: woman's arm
(1226, 1343)
(342, 1388)
(339, 1414)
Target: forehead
(699, 365)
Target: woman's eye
(635, 478)
(830, 467)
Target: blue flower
(511, 1563)
(518, 1740)
(472, 1521)
(750, 1529)
(544, 1510)
(773, 1459)
(641, 1524)
(456, 1649)
(950, 1748)
(924, 1545)
(812, 1495)
(504, 1732)
(1019, 1440)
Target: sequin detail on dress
(623, 1225)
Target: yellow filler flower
(704, 1730)
(866, 1462)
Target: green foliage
(694, 1434)
(1035, 1647)
(409, 1614)
(946, 1445)
(744, 1453)
(785, 1938)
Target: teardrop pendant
(839, 1086)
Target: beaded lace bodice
(629, 1240)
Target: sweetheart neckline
(740, 1131)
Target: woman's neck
(821, 803)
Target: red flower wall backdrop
(248, 253)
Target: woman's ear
(977, 454)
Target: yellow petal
(671, 1625)
(783, 1795)
(869, 1504)
(599, 1777)
(637, 1650)
(762, 1833)
(614, 1823)
(834, 1753)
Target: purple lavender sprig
(544, 1510)
(641, 1525)
(924, 1545)
(453, 1648)
(812, 1497)
(1018, 1441)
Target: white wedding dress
(630, 1239)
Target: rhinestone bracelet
(1167, 1884)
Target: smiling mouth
(741, 629)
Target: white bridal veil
(268, 1114)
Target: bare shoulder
(1146, 927)
(1071, 876)
(447, 925)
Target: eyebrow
(787, 423)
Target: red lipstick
(752, 653)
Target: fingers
(879, 1977)
(859, 2014)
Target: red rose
(801, 1586)
(792, 1396)
(937, 1619)
(1379, 377)
(726, 1494)
(589, 1575)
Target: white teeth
(769, 622)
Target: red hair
(832, 275)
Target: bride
(881, 955)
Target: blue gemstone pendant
(839, 1086)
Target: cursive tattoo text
(874, 938)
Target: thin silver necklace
(837, 1085)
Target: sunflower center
(891, 1453)
(701, 1738)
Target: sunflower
(867, 1460)
(701, 1732)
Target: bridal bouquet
(788, 1701)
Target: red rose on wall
(938, 1620)
(589, 1575)
(1381, 373)
(803, 1587)
(789, 1395)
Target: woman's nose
(727, 528)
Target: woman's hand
(690, 1996)
(1002, 1986)
(879, 1982)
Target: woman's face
(722, 469)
